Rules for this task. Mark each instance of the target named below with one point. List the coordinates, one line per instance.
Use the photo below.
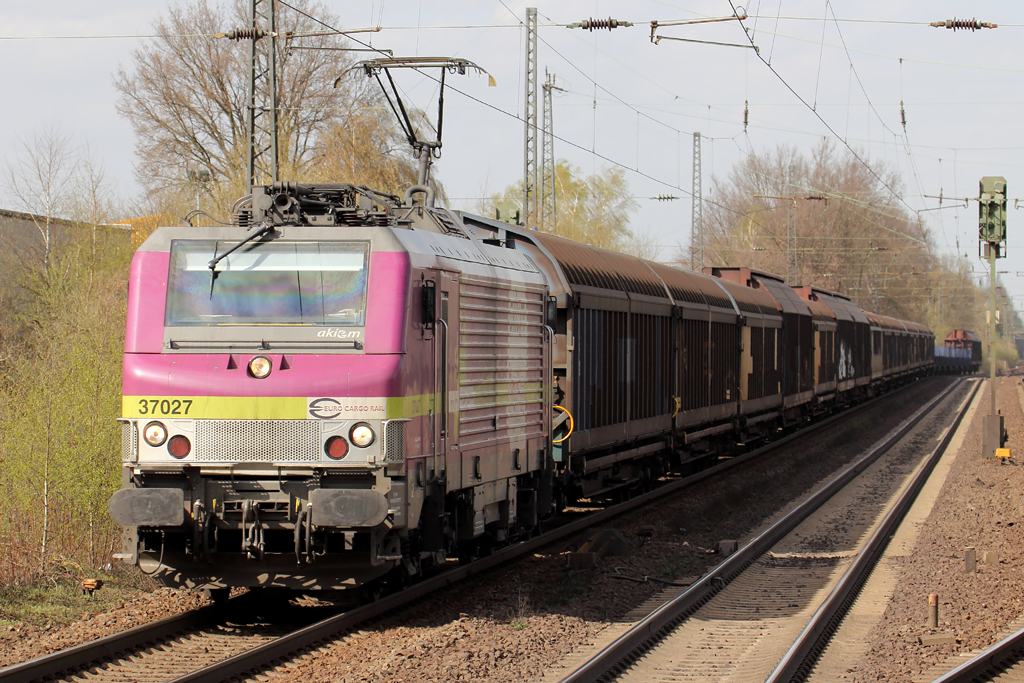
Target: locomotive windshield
(275, 283)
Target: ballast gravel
(979, 506)
(512, 624)
(24, 642)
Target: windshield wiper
(261, 229)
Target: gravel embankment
(979, 506)
(511, 624)
(24, 642)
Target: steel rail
(67, 662)
(798, 662)
(624, 650)
(990, 663)
(286, 646)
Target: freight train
(350, 387)
(960, 353)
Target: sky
(628, 102)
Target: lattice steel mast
(697, 214)
(261, 143)
(792, 258)
(530, 170)
(548, 203)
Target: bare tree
(367, 148)
(643, 243)
(42, 181)
(93, 200)
(186, 95)
(849, 233)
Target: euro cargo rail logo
(326, 408)
(339, 333)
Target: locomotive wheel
(397, 579)
(371, 592)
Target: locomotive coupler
(304, 534)
(201, 522)
(252, 530)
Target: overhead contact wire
(518, 118)
(823, 121)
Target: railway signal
(992, 212)
(992, 236)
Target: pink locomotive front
(263, 398)
(339, 390)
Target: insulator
(955, 24)
(591, 24)
(903, 116)
(966, 24)
(746, 114)
(972, 24)
(245, 34)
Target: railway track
(248, 634)
(172, 647)
(768, 610)
(1001, 663)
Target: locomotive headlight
(260, 367)
(155, 434)
(362, 435)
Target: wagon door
(446, 375)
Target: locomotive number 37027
(158, 406)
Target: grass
(521, 606)
(60, 600)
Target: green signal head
(992, 210)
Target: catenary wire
(823, 121)
(582, 148)
(520, 119)
(642, 173)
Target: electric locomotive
(292, 413)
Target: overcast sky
(633, 103)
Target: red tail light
(336, 447)
(179, 446)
